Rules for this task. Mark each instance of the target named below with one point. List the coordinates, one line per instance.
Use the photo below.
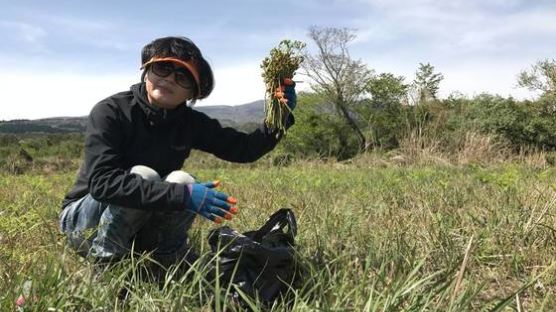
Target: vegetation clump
(278, 68)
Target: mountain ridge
(243, 116)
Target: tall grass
(374, 235)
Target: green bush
(318, 132)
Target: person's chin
(162, 93)
(166, 103)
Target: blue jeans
(108, 232)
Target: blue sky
(59, 58)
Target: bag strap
(278, 221)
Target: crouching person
(130, 190)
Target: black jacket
(124, 130)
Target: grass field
(376, 236)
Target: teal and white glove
(211, 204)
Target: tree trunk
(362, 141)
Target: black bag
(260, 263)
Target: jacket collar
(155, 115)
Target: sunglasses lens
(183, 80)
(162, 69)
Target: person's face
(167, 85)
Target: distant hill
(243, 117)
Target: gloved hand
(286, 93)
(209, 203)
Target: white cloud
(236, 84)
(70, 23)
(45, 29)
(499, 79)
(462, 23)
(31, 95)
(30, 34)
(96, 32)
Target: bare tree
(334, 74)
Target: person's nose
(171, 78)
